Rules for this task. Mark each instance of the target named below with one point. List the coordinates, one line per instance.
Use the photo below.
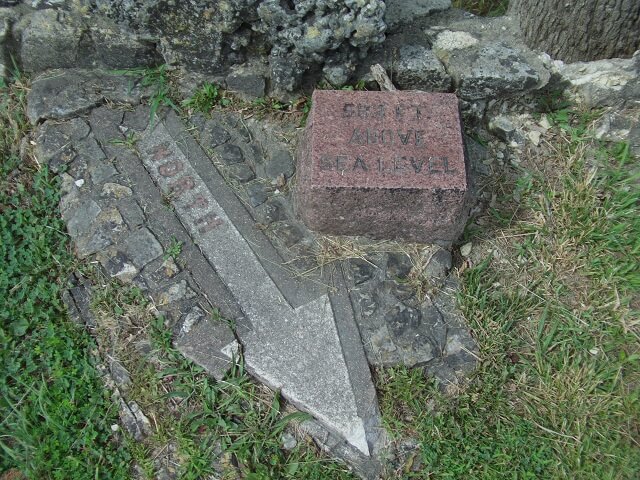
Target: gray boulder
(612, 82)
(485, 70)
(297, 37)
(418, 68)
(485, 57)
(402, 12)
(66, 39)
(52, 39)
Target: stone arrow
(303, 343)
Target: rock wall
(286, 39)
(281, 47)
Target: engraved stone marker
(297, 337)
(387, 165)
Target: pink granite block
(387, 165)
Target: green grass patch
(55, 413)
(552, 300)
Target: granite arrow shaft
(295, 350)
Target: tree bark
(580, 30)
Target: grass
(55, 414)
(211, 97)
(160, 84)
(207, 97)
(489, 8)
(129, 141)
(551, 295)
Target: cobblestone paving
(197, 214)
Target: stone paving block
(68, 93)
(101, 171)
(131, 212)
(117, 265)
(137, 119)
(213, 134)
(209, 343)
(280, 163)
(241, 172)
(83, 218)
(230, 154)
(51, 137)
(174, 293)
(115, 190)
(104, 123)
(387, 165)
(142, 247)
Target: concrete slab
(291, 336)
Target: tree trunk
(580, 30)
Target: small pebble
(79, 182)
(544, 123)
(465, 250)
(289, 442)
(534, 136)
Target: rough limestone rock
(401, 12)
(246, 83)
(334, 35)
(614, 82)
(52, 39)
(418, 68)
(485, 58)
(297, 37)
(489, 71)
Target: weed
(359, 86)
(206, 98)
(552, 100)
(325, 85)
(157, 79)
(129, 141)
(174, 249)
(269, 104)
(306, 109)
